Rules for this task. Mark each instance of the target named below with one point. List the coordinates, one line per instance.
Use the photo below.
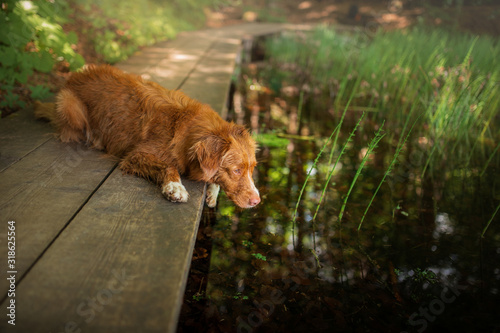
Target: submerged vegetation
(445, 83)
(381, 203)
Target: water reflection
(444, 225)
(417, 263)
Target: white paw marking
(175, 192)
(212, 193)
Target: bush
(32, 40)
(116, 34)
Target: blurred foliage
(41, 36)
(271, 140)
(32, 39)
(116, 34)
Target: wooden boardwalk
(95, 250)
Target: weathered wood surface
(41, 193)
(15, 144)
(99, 251)
(116, 266)
(169, 63)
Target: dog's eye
(237, 172)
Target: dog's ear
(209, 153)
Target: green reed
(334, 166)
(371, 147)
(393, 162)
(445, 84)
(335, 132)
(452, 79)
(489, 222)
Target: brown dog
(157, 133)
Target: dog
(158, 134)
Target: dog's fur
(157, 133)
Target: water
(416, 264)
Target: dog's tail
(45, 111)
(68, 115)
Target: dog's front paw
(175, 192)
(212, 193)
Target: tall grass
(393, 162)
(445, 84)
(451, 80)
(335, 132)
(371, 147)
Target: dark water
(418, 262)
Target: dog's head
(227, 158)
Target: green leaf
(14, 37)
(72, 37)
(76, 62)
(45, 9)
(44, 62)
(8, 56)
(67, 52)
(27, 6)
(259, 256)
(12, 100)
(7, 76)
(40, 92)
(26, 61)
(22, 77)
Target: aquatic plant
(451, 79)
(335, 132)
(371, 147)
(393, 162)
(319, 192)
(334, 166)
(259, 256)
(491, 219)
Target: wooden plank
(126, 251)
(41, 193)
(26, 194)
(131, 229)
(20, 135)
(209, 81)
(169, 63)
(121, 264)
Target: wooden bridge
(96, 250)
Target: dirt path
(394, 14)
